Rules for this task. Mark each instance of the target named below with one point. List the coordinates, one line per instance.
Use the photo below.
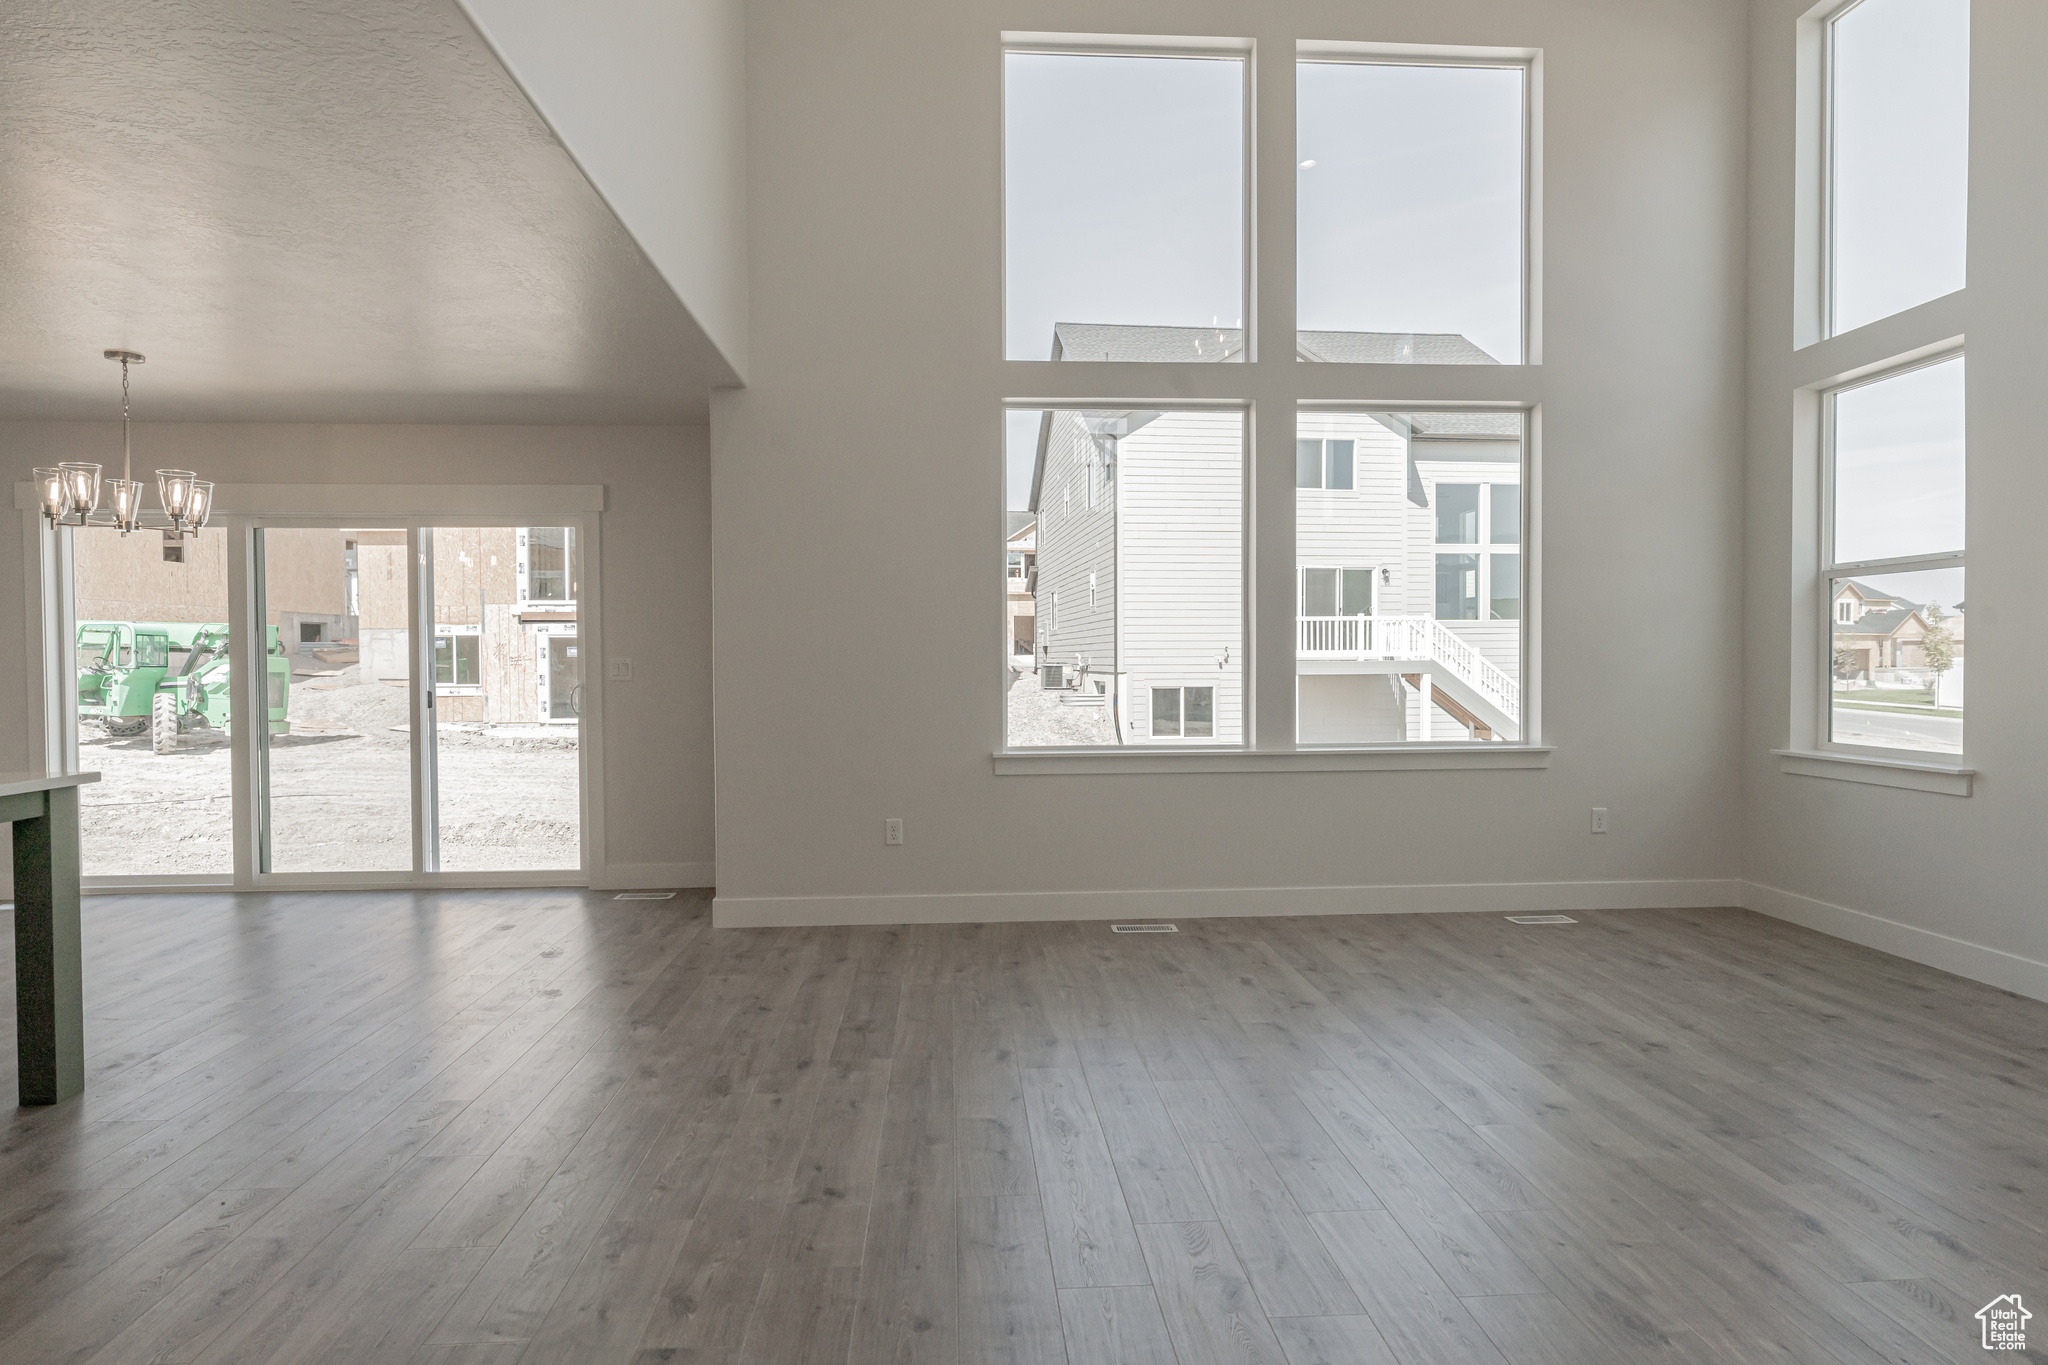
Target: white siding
(1363, 527)
(1181, 481)
(1351, 708)
(1074, 541)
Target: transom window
(1897, 153)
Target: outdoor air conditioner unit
(1052, 677)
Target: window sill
(1878, 772)
(1410, 759)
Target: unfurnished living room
(773, 682)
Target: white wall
(1954, 881)
(646, 95)
(656, 570)
(871, 425)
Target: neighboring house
(1408, 556)
(1883, 630)
(1020, 575)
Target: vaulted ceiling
(311, 212)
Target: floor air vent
(1541, 919)
(1144, 929)
(645, 896)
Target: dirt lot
(340, 792)
(1038, 717)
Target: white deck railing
(1421, 639)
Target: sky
(1901, 155)
(1124, 187)
(1124, 193)
(1899, 469)
(1409, 201)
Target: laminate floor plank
(1093, 1242)
(1288, 1265)
(1416, 1312)
(1212, 1316)
(515, 1127)
(1009, 1305)
(1115, 1326)
(1333, 1341)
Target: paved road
(1943, 734)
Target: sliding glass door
(338, 687)
(423, 689)
(507, 719)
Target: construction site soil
(341, 792)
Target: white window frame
(1301, 584)
(475, 689)
(1485, 547)
(1323, 465)
(1813, 263)
(1529, 61)
(1274, 389)
(524, 580)
(1828, 570)
(1181, 691)
(49, 668)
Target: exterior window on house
(1183, 712)
(1898, 124)
(1158, 561)
(1431, 274)
(1323, 464)
(1124, 201)
(546, 564)
(1411, 589)
(1893, 561)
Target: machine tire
(125, 727)
(163, 723)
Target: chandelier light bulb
(174, 486)
(81, 488)
(201, 506)
(54, 492)
(126, 496)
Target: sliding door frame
(241, 511)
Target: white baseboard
(760, 912)
(651, 876)
(1992, 966)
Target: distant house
(1874, 629)
(1408, 556)
(1020, 573)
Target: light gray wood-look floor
(493, 1127)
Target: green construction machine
(161, 678)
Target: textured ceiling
(310, 212)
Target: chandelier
(70, 491)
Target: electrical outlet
(1599, 819)
(618, 670)
(892, 831)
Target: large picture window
(1146, 593)
(1135, 600)
(1898, 131)
(1892, 577)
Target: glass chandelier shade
(127, 502)
(81, 487)
(174, 488)
(53, 492)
